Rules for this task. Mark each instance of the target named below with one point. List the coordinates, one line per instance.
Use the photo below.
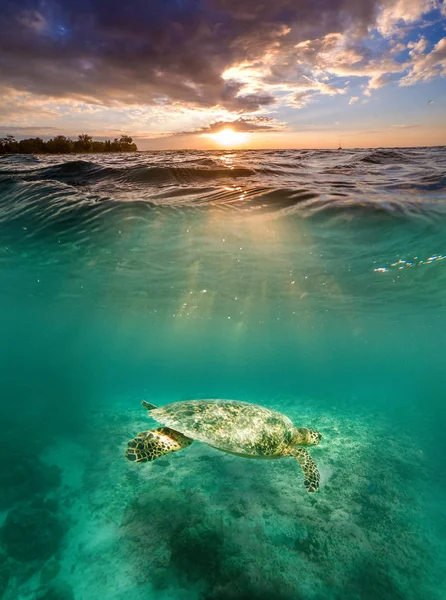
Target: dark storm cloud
(159, 51)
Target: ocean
(309, 282)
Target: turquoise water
(310, 283)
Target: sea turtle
(232, 426)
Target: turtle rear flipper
(309, 468)
(150, 445)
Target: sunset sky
(172, 73)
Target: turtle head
(305, 437)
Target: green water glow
(337, 320)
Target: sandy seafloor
(203, 524)
(312, 283)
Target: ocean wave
(424, 184)
(276, 183)
(81, 172)
(40, 207)
(181, 174)
(384, 156)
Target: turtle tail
(150, 445)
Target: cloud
(232, 58)
(426, 66)
(20, 107)
(29, 129)
(353, 99)
(300, 100)
(163, 51)
(395, 12)
(417, 48)
(243, 125)
(391, 128)
(379, 80)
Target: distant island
(60, 144)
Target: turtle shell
(229, 425)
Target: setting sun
(229, 137)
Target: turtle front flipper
(148, 405)
(150, 445)
(309, 468)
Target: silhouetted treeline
(63, 145)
